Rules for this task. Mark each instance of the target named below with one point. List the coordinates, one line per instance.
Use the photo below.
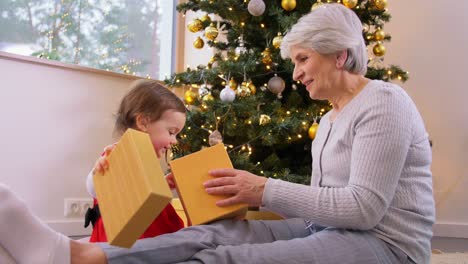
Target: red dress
(168, 221)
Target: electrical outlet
(77, 207)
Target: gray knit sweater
(370, 171)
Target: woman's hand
(102, 164)
(241, 186)
(170, 180)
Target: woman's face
(163, 131)
(317, 72)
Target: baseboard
(71, 227)
(449, 229)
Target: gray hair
(330, 29)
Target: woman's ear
(142, 122)
(341, 58)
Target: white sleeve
(90, 184)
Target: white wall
(55, 122)
(430, 40)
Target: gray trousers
(282, 241)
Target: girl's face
(163, 131)
(317, 72)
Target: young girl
(151, 108)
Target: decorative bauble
(313, 130)
(195, 26)
(233, 84)
(203, 90)
(206, 18)
(207, 98)
(369, 36)
(215, 138)
(288, 5)
(256, 7)
(318, 4)
(211, 32)
(252, 87)
(190, 96)
(243, 91)
(264, 119)
(227, 94)
(266, 57)
(350, 3)
(379, 34)
(198, 43)
(277, 40)
(365, 27)
(379, 49)
(380, 4)
(276, 85)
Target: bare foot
(86, 253)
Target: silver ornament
(276, 85)
(227, 94)
(256, 7)
(215, 138)
(203, 90)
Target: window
(126, 36)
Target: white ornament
(203, 90)
(256, 7)
(227, 94)
(276, 85)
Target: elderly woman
(370, 199)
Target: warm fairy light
(258, 162)
(223, 83)
(399, 77)
(249, 122)
(218, 118)
(261, 172)
(204, 140)
(177, 81)
(289, 138)
(231, 146)
(299, 136)
(188, 128)
(304, 123)
(389, 72)
(288, 113)
(243, 148)
(242, 24)
(268, 67)
(204, 107)
(298, 82)
(262, 25)
(230, 8)
(210, 131)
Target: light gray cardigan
(370, 171)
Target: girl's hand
(102, 164)
(242, 186)
(170, 180)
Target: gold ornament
(190, 96)
(288, 5)
(313, 130)
(198, 43)
(379, 34)
(243, 90)
(277, 40)
(318, 4)
(208, 97)
(350, 3)
(252, 87)
(379, 49)
(211, 32)
(215, 138)
(206, 18)
(264, 119)
(195, 26)
(266, 57)
(233, 84)
(380, 4)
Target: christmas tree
(245, 96)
